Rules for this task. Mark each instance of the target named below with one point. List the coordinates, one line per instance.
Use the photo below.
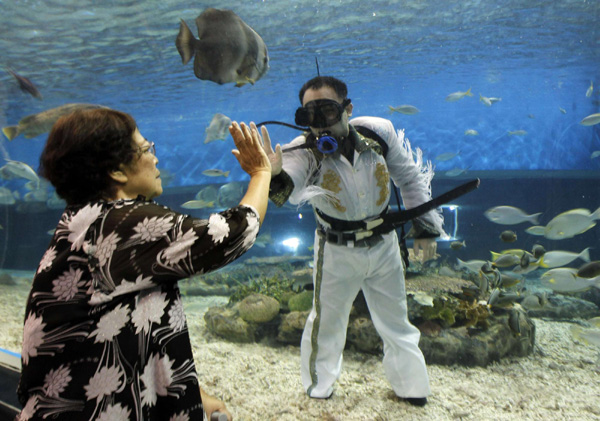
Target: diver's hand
(428, 246)
(250, 151)
(275, 157)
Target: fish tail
(596, 214)
(585, 255)
(576, 333)
(468, 93)
(226, 173)
(10, 132)
(185, 42)
(534, 218)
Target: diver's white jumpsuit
(357, 192)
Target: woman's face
(143, 178)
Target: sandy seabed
(560, 381)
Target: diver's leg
(336, 285)
(385, 293)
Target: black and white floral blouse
(105, 336)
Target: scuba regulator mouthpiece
(326, 144)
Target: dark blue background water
(538, 56)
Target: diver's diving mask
(321, 113)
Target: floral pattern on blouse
(105, 336)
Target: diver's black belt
(352, 239)
(386, 222)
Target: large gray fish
(36, 124)
(227, 49)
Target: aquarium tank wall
(495, 90)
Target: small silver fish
(214, 172)
(517, 133)
(485, 100)
(197, 204)
(20, 169)
(405, 109)
(589, 91)
(455, 172)
(590, 120)
(471, 132)
(218, 128)
(455, 96)
(25, 84)
(447, 156)
(509, 215)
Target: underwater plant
(272, 286)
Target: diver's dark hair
(82, 149)
(318, 82)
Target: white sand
(560, 381)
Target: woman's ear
(119, 175)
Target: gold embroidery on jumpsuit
(383, 182)
(332, 182)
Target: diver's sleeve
(411, 175)
(281, 188)
(299, 168)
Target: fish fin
(226, 173)
(185, 42)
(10, 132)
(468, 93)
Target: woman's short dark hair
(83, 148)
(318, 82)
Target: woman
(105, 336)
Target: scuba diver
(343, 169)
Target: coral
(473, 313)
(258, 308)
(450, 310)
(441, 310)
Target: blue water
(538, 56)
